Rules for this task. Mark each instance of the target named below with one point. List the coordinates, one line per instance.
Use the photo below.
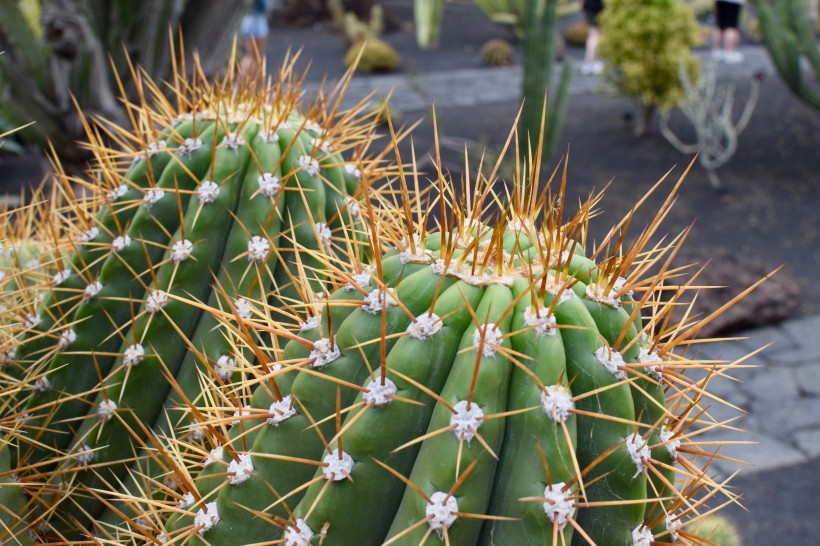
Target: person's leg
(593, 37)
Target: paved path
(781, 395)
(475, 86)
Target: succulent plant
(372, 55)
(487, 382)
(200, 203)
(497, 52)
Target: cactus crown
(481, 382)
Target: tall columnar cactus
(489, 383)
(539, 94)
(201, 201)
(791, 39)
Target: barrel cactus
(485, 383)
(200, 202)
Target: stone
(764, 453)
(781, 417)
(775, 384)
(774, 301)
(809, 442)
(808, 379)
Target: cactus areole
(487, 384)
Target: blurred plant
(718, 530)
(497, 52)
(351, 26)
(373, 55)
(383, 112)
(709, 107)
(67, 58)
(644, 43)
(540, 97)
(788, 33)
(427, 15)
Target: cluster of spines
(282, 438)
(139, 263)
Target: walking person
(254, 30)
(592, 65)
(728, 35)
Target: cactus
(540, 96)
(200, 202)
(710, 109)
(374, 55)
(792, 43)
(497, 52)
(489, 383)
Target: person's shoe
(733, 57)
(592, 67)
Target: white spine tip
(232, 141)
(336, 467)
(441, 511)
(425, 326)
(492, 337)
(155, 301)
(353, 208)
(206, 518)
(310, 324)
(465, 420)
(84, 455)
(360, 280)
(258, 249)
(208, 191)
(612, 361)
(309, 165)
(155, 147)
(322, 145)
(239, 414)
(298, 534)
(557, 403)
(673, 524)
(379, 392)
(559, 504)
(241, 469)
(324, 353)
(281, 411)
(377, 300)
(269, 185)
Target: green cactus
(791, 39)
(540, 96)
(486, 384)
(204, 204)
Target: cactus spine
(488, 383)
(202, 203)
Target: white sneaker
(733, 57)
(592, 67)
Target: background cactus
(200, 201)
(790, 36)
(488, 383)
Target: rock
(770, 303)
